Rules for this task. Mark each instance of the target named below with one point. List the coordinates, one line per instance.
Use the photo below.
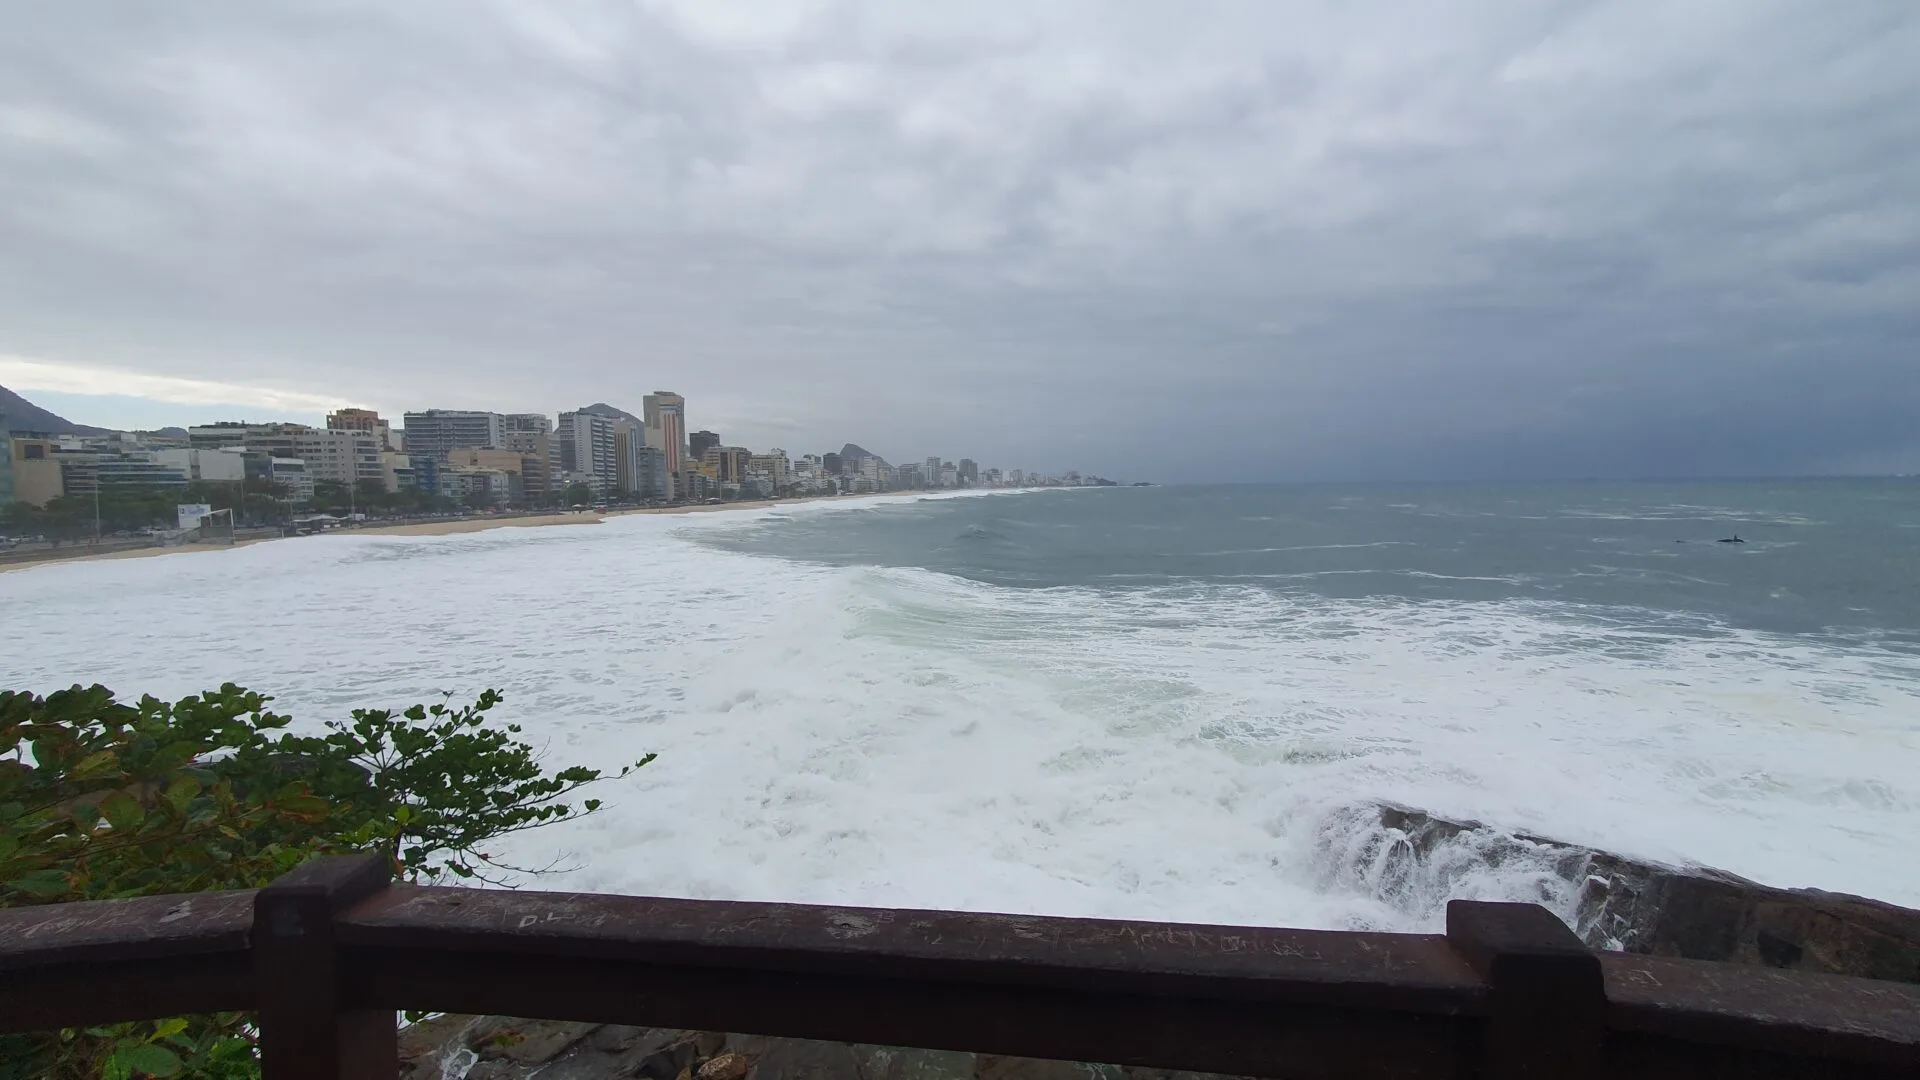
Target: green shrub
(102, 799)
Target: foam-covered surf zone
(907, 738)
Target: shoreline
(452, 527)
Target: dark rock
(501, 1048)
(903, 1063)
(640, 1056)
(996, 1067)
(425, 1046)
(1775, 952)
(497, 1048)
(796, 1059)
(1695, 913)
(615, 1038)
(707, 1043)
(668, 1057)
(535, 1043)
(732, 1065)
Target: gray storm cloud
(1175, 240)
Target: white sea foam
(901, 737)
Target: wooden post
(307, 1032)
(1547, 999)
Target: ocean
(1168, 703)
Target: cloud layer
(1178, 240)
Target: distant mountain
(601, 408)
(854, 452)
(19, 414)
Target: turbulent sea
(1157, 703)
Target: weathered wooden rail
(326, 955)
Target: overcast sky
(1178, 241)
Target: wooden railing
(326, 955)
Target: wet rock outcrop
(500, 1048)
(1694, 912)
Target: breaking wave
(895, 736)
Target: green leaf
(122, 812)
(181, 792)
(95, 765)
(49, 882)
(310, 807)
(169, 1027)
(150, 1059)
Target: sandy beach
(50, 557)
(756, 504)
(468, 525)
(425, 528)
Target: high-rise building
(221, 466)
(700, 442)
(969, 472)
(665, 413)
(536, 462)
(728, 464)
(349, 456)
(629, 439)
(830, 464)
(437, 431)
(111, 470)
(231, 434)
(415, 472)
(526, 423)
(652, 480)
(362, 420)
(507, 482)
(34, 465)
(534, 424)
(590, 442)
(773, 465)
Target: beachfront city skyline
(471, 458)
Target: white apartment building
(223, 465)
(341, 456)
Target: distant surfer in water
(1734, 539)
